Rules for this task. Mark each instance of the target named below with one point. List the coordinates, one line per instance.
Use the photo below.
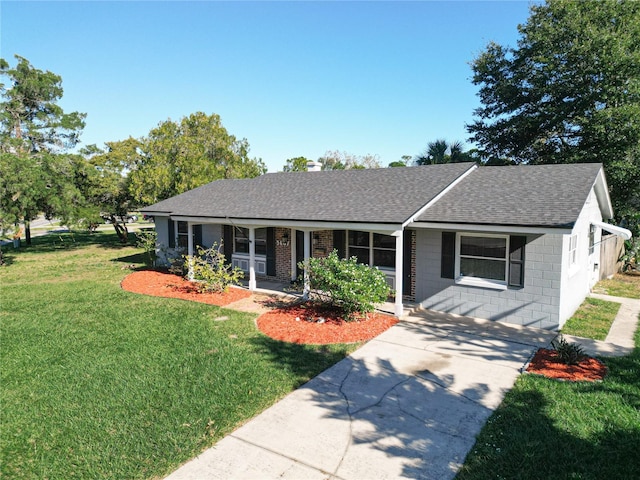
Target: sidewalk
(619, 341)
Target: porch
(272, 253)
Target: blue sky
(293, 78)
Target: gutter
(619, 231)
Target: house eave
(296, 224)
(477, 227)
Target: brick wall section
(536, 305)
(283, 253)
(322, 242)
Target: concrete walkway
(619, 341)
(409, 403)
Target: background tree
(102, 179)
(403, 162)
(569, 92)
(178, 156)
(33, 128)
(296, 164)
(337, 160)
(439, 151)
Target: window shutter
(172, 233)
(227, 241)
(448, 263)
(299, 239)
(516, 261)
(406, 262)
(197, 233)
(271, 251)
(339, 242)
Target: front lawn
(102, 383)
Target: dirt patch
(546, 362)
(160, 284)
(310, 323)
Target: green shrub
(210, 270)
(569, 353)
(346, 284)
(146, 239)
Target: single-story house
(518, 244)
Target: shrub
(146, 239)
(346, 284)
(211, 271)
(569, 353)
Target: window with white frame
(183, 235)
(573, 250)
(241, 240)
(373, 249)
(484, 257)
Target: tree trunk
(27, 232)
(121, 229)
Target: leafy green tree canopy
(35, 176)
(569, 92)
(296, 164)
(30, 118)
(178, 156)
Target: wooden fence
(611, 249)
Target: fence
(611, 249)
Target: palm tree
(442, 152)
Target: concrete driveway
(407, 404)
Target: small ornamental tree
(346, 284)
(210, 270)
(147, 240)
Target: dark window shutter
(340, 242)
(197, 233)
(299, 250)
(516, 261)
(227, 241)
(406, 263)
(172, 233)
(271, 251)
(448, 264)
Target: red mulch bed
(291, 323)
(160, 284)
(545, 362)
(313, 324)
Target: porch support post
(399, 308)
(190, 248)
(307, 255)
(292, 243)
(252, 258)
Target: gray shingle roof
(523, 195)
(385, 195)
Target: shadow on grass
(67, 240)
(522, 440)
(136, 258)
(305, 361)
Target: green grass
(621, 285)
(97, 382)
(593, 319)
(550, 429)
